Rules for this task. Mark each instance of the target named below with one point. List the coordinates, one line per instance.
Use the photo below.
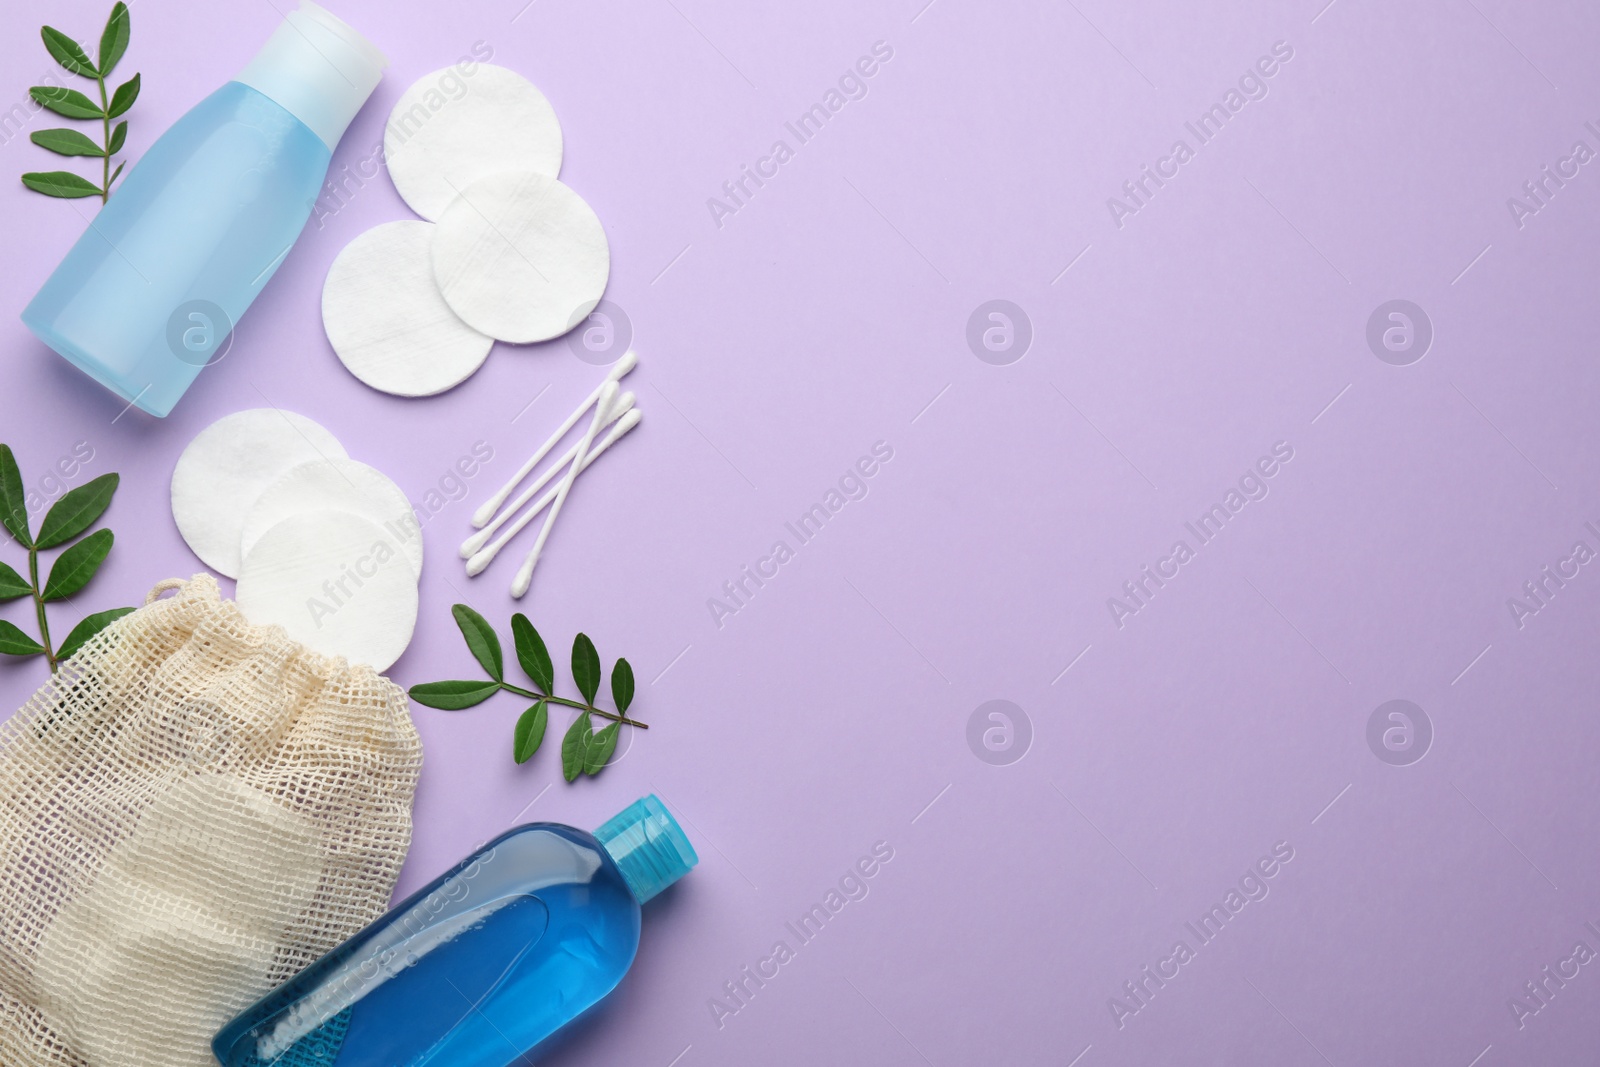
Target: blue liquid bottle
(483, 963)
(152, 290)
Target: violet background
(830, 313)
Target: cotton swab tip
(624, 403)
(524, 578)
(471, 545)
(476, 565)
(628, 361)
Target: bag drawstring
(166, 586)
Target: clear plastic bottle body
(473, 970)
(188, 239)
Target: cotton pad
(228, 465)
(337, 485)
(336, 583)
(452, 128)
(521, 257)
(386, 320)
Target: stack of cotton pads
(508, 252)
(324, 546)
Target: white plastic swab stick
(470, 546)
(492, 505)
(485, 556)
(602, 407)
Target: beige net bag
(191, 812)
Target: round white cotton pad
(386, 320)
(337, 485)
(226, 467)
(452, 128)
(336, 583)
(521, 257)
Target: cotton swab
(602, 406)
(470, 546)
(485, 556)
(481, 517)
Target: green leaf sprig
(66, 521)
(75, 105)
(584, 750)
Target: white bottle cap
(318, 69)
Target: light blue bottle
(482, 964)
(152, 290)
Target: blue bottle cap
(649, 846)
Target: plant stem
(38, 607)
(105, 174)
(573, 704)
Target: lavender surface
(1178, 333)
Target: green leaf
(123, 98)
(453, 696)
(13, 642)
(60, 183)
(622, 685)
(482, 640)
(575, 747)
(65, 143)
(530, 732)
(88, 628)
(68, 102)
(585, 667)
(67, 52)
(119, 136)
(114, 39)
(77, 511)
(114, 176)
(532, 654)
(13, 498)
(74, 567)
(12, 584)
(601, 746)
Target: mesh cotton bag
(191, 811)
